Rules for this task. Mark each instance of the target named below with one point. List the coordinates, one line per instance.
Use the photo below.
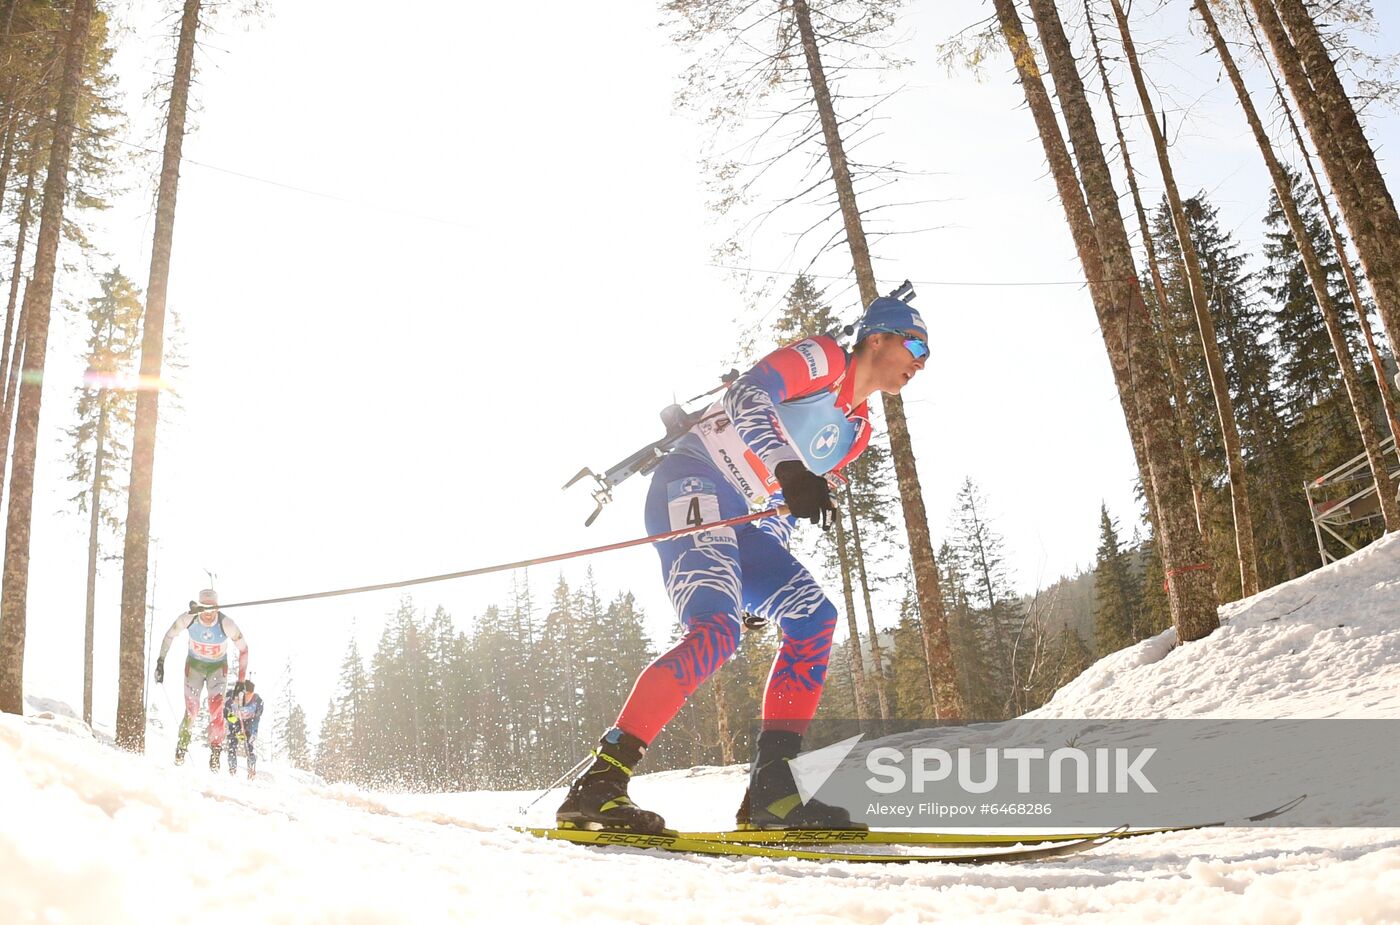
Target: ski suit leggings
(247, 744)
(200, 676)
(712, 577)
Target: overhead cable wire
(926, 282)
(291, 187)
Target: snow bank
(1323, 645)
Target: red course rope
(657, 538)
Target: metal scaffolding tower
(1345, 496)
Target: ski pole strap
(1198, 567)
(524, 563)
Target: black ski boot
(214, 752)
(598, 797)
(772, 800)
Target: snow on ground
(92, 834)
(1326, 645)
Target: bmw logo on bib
(825, 441)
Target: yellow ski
(682, 844)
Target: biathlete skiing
(243, 713)
(206, 668)
(796, 417)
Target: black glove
(808, 496)
(160, 670)
(238, 688)
(753, 621)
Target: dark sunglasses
(917, 347)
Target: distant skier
(243, 713)
(797, 416)
(206, 668)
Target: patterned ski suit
(794, 405)
(206, 668)
(243, 717)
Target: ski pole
(567, 775)
(484, 570)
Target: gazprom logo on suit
(825, 441)
(815, 357)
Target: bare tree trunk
(848, 596)
(1367, 214)
(1392, 416)
(8, 145)
(151, 619)
(14, 597)
(7, 427)
(875, 652)
(1113, 320)
(1283, 188)
(947, 698)
(14, 333)
(1081, 228)
(9, 21)
(1190, 585)
(94, 529)
(1200, 302)
(1191, 440)
(1346, 128)
(1338, 244)
(131, 717)
(722, 730)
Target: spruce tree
(992, 602)
(441, 718)
(497, 749)
(971, 638)
(1113, 592)
(618, 649)
(289, 730)
(348, 721)
(1154, 615)
(1314, 400)
(1245, 329)
(913, 699)
(294, 739)
(558, 657)
(106, 405)
(393, 724)
(806, 312)
(331, 745)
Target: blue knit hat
(891, 316)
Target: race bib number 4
(692, 502)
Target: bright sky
(429, 265)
